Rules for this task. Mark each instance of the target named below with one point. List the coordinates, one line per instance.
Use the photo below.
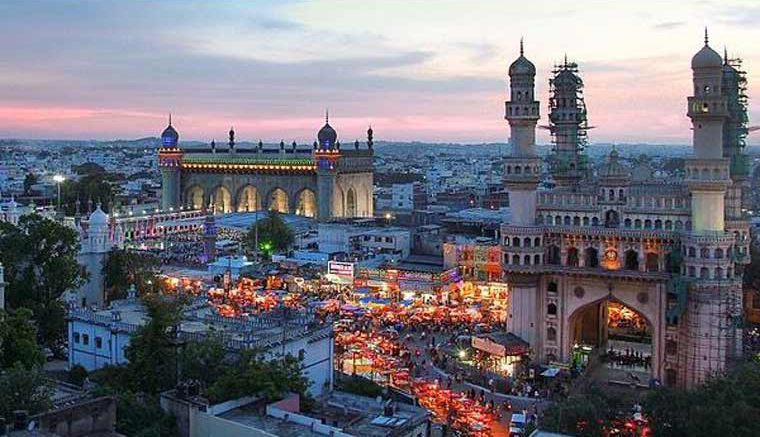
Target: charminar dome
(706, 57)
(522, 65)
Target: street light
(59, 179)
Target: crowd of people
(628, 359)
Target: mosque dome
(327, 136)
(98, 217)
(170, 137)
(706, 58)
(613, 168)
(522, 66)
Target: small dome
(170, 137)
(327, 136)
(522, 66)
(613, 168)
(98, 217)
(706, 58)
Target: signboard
(488, 346)
(342, 269)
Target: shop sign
(343, 269)
(415, 276)
(488, 346)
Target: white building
(362, 242)
(98, 338)
(96, 241)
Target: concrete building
(96, 240)
(98, 338)
(323, 181)
(362, 242)
(408, 196)
(667, 250)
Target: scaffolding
(735, 129)
(568, 126)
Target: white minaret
(522, 167)
(707, 173)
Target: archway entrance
(222, 201)
(278, 201)
(619, 336)
(195, 198)
(306, 205)
(248, 200)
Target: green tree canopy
(273, 234)
(727, 404)
(23, 389)
(124, 267)
(40, 259)
(150, 352)
(18, 340)
(586, 412)
(98, 187)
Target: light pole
(59, 179)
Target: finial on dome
(327, 116)
(170, 119)
(706, 39)
(725, 55)
(565, 59)
(521, 46)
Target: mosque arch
(194, 197)
(222, 200)
(248, 199)
(306, 203)
(278, 200)
(351, 202)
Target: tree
(726, 404)
(204, 361)
(273, 234)
(752, 270)
(40, 259)
(29, 180)
(584, 413)
(99, 187)
(150, 352)
(24, 389)
(124, 267)
(18, 340)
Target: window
(536, 259)
(526, 260)
(98, 342)
(551, 309)
(551, 334)
(526, 242)
(572, 257)
(704, 273)
(719, 253)
(515, 242)
(536, 242)
(516, 260)
(647, 224)
(595, 221)
(627, 223)
(692, 252)
(85, 339)
(692, 271)
(76, 337)
(585, 221)
(552, 287)
(704, 252)
(668, 225)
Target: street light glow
(59, 178)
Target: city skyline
(415, 71)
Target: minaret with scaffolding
(568, 125)
(708, 331)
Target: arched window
(585, 221)
(631, 260)
(692, 252)
(647, 224)
(516, 260)
(591, 257)
(536, 259)
(576, 221)
(718, 273)
(526, 242)
(627, 223)
(620, 195)
(595, 221)
(551, 334)
(552, 287)
(537, 242)
(558, 220)
(719, 253)
(653, 262)
(572, 257)
(567, 220)
(553, 255)
(515, 242)
(526, 260)
(637, 224)
(612, 194)
(551, 309)
(692, 271)
(704, 273)
(539, 219)
(704, 252)
(668, 225)
(658, 224)
(506, 258)
(611, 219)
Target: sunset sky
(415, 70)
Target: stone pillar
(170, 188)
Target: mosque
(324, 181)
(591, 244)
